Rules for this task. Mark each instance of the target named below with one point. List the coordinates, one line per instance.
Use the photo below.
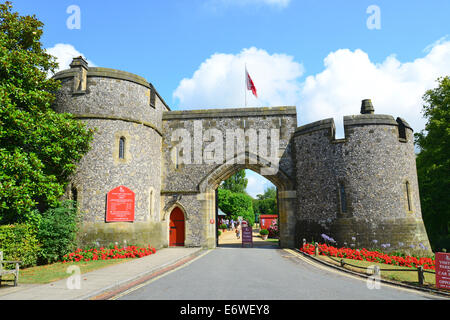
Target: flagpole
(245, 85)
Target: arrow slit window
(342, 198)
(74, 194)
(408, 196)
(122, 148)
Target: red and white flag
(250, 85)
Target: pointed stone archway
(285, 192)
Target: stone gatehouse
(360, 190)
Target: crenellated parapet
(102, 93)
(126, 112)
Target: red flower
(108, 254)
(371, 256)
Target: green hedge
(19, 242)
(43, 239)
(57, 232)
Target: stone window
(342, 198)
(408, 196)
(152, 97)
(75, 196)
(151, 201)
(74, 193)
(121, 151)
(122, 148)
(174, 157)
(401, 130)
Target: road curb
(361, 275)
(115, 289)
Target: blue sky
(166, 41)
(320, 56)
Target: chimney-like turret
(367, 107)
(80, 79)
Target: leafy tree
(269, 193)
(39, 148)
(236, 183)
(266, 202)
(433, 164)
(267, 206)
(236, 204)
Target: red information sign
(442, 266)
(120, 205)
(266, 220)
(247, 236)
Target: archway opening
(246, 203)
(286, 194)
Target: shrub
(223, 226)
(57, 232)
(219, 233)
(273, 230)
(264, 232)
(19, 242)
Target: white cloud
(64, 54)
(257, 184)
(442, 40)
(220, 81)
(396, 88)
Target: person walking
(238, 231)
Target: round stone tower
(361, 190)
(126, 112)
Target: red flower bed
(108, 254)
(371, 256)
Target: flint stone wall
(117, 105)
(185, 179)
(373, 165)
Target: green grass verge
(409, 277)
(57, 271)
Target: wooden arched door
(176, 228)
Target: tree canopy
(39, 148)
(236, 183)
(266, 203)
(236, 204)
(269, 193)
(433, 164)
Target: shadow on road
(229, 240)
(256, 246)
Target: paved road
(260, 273)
